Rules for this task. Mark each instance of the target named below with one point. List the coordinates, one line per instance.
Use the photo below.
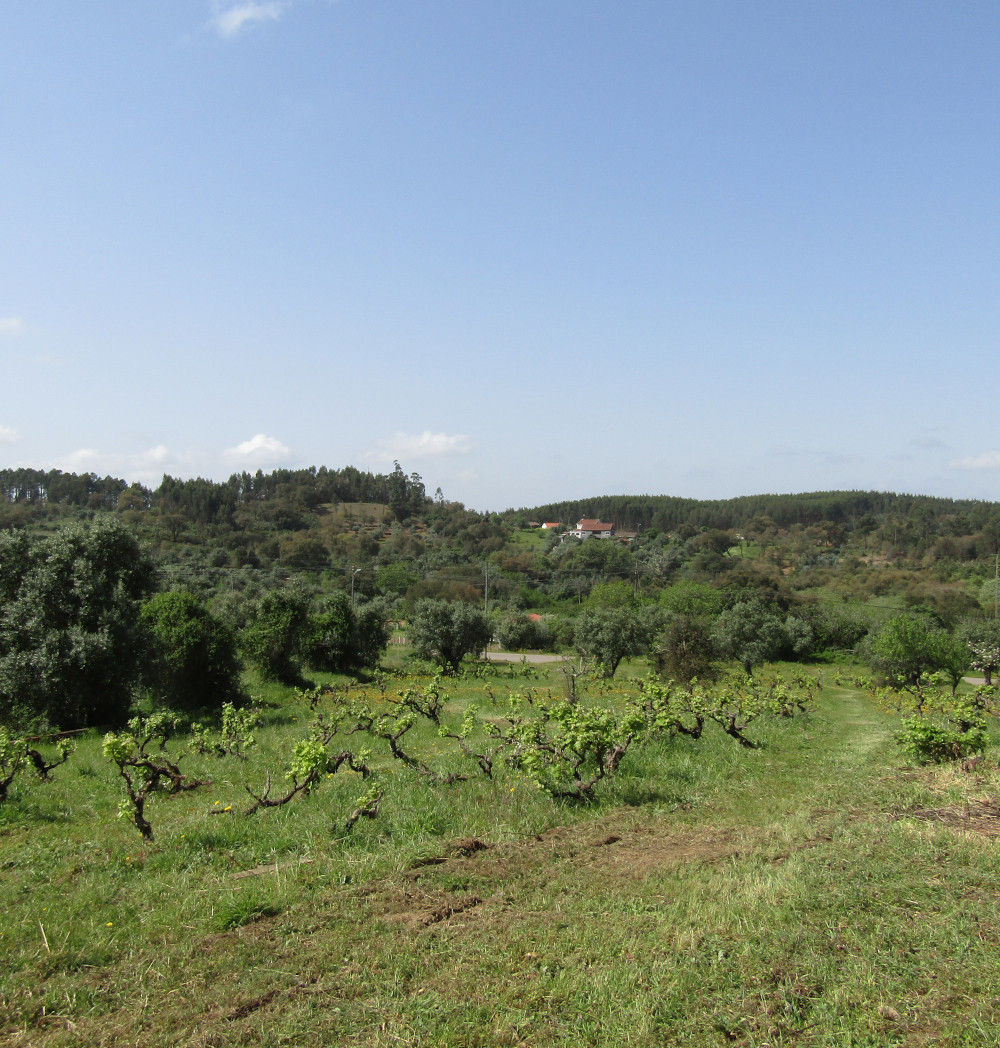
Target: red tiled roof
(593, 525)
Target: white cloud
(404, 446)
(988, 460)
(11, 326)
(147, 467)
(155, 455)
(82, 461)
(8, 435)
(231, 18)
(259, 450)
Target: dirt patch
(472, 875)
(982, 817)
(648, 850)
(420, 909)
(253, 1005)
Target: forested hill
(850, 509)
(212, 502)
(25, 494)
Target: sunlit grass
(710, 895)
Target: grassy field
(811, 891)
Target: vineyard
(516, 855)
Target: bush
(927, 742)
(343, 639)
(448, 631)
(192, 655)
(71, 646)
(276, 633)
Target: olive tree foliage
(685, 651)
(750, 632)
(446, 631)
(516, 630)
(71, 643)
(192, 660)
(610, 634)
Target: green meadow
(810, 891)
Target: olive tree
(447, 631)
(343, 637)
(750, 632)
(610, 634)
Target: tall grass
(710, 895)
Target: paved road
(512, 656)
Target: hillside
(382, 535)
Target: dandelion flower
(111, 924)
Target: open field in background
(812, 891)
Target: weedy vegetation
(495, 858)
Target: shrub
(192, 662)
(447, 631)
(71, 646)
(926, 741)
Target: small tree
(71, 646)
(953, 658)
(904, 650)
(982, 637)
(342, 638)
(685, 650)
(609, 634)
(192, 661)
(751, 633)
(447, 631)
(275, 634)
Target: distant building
(550, 525)
(592, 529)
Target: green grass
(712, 896)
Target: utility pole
(486, 591)
(353, 573)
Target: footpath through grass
(809, 892)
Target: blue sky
(534, 249)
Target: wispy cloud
(230, 18)
(83, 460)
(145, 466)
(8, 435)
(421, 446)
(155, 456)
(259, 450)
(824, 455)
(11, 326)
(929, 441)
(988, 460)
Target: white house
(592, 529)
